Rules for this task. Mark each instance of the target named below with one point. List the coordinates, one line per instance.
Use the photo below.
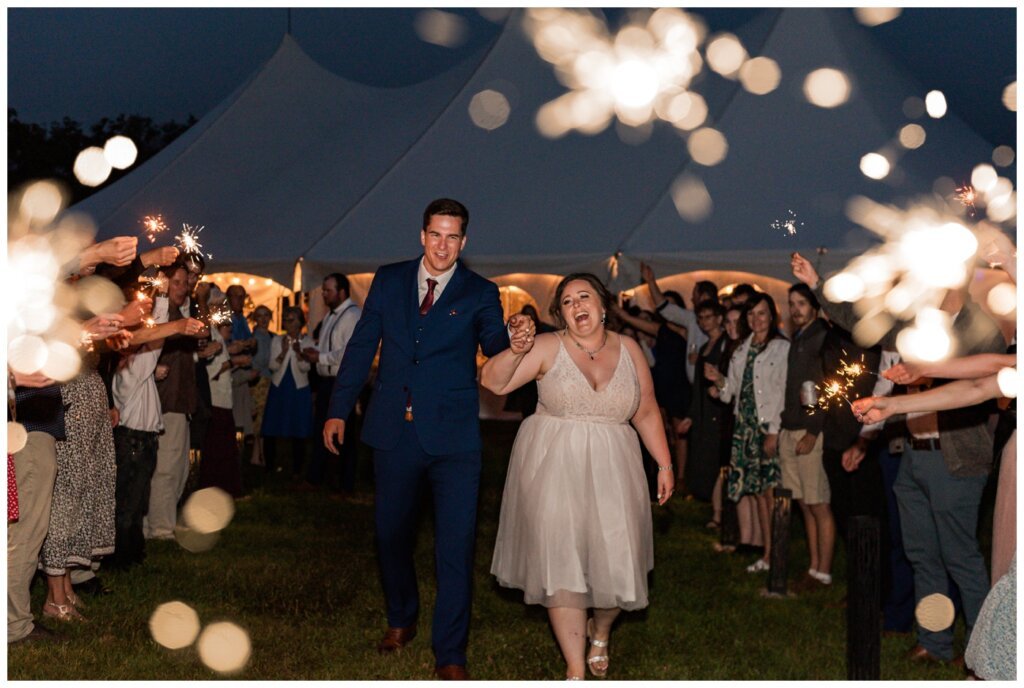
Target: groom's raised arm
(359, 353)
(490, 322)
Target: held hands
(334, 428)
(873, 409)
(522, 333)
(803, 270)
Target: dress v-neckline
(583, 375)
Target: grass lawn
(299, 573)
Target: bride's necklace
(588, 352)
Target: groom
(428, 315)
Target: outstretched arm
(636, 323)
(957, 394)
(965, 367)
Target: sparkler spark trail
(832, 390)
(154, 283)
(966, 195)
(220, 315)
(789, 225)
(188, 240)
(153, 225)
(150, 322)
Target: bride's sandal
(61, 612)
(592, 662)
(75, 601)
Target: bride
(575, 526)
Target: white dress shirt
(220, 389)
(134, 387)
(442, 281)
(297, 364)
(335, 332)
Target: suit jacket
(963, 432)
(428, 361)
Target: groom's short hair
(446, 206)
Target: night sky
(169, 63)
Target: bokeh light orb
(489, 109)
(844, 287)
(41, 202)
(984, 178)
(760, 76)
(691, 198)
(1003, 156)
(174, 625)
(92, 167)
(707, 146)
(191, 541)
(1002, 299)
(935, 104)
(26, 353)
(1009, 382)
(17, 437)
(726, 54)
(440, 28)
(99, 295)
(224, 647)
(208, 510)
(634, 83)
(827, 87)
(875, 166)
(1010, 97)
(935, 612)
(120, 152)
(874, 16)
(62, 361)
(912, 136)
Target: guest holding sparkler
(942, 474)
(220, 465)
(756, 383)
(242, 377)
(289, 411)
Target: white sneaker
(758, 566)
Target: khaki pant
(803, 474)
(35, 468)
(169, 478)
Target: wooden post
(863, 609)
(779, 573)
(729, 532)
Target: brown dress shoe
(452, 672)
(920, 654)
(396, 638)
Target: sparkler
(154, 283)
(966, 195)
(832, 390)
(220, 315)
(789, 225)
(149, 322)
(188, 240)
(153, 225)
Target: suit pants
(454, 480)
(169, 478)
(898, 585)
(939, 515)
(35, 468)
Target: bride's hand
(666, 485)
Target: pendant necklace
(588, 352)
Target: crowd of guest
(183, 383)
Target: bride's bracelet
(665, 468)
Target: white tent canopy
(301, 164)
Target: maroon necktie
(428, 300)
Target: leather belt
(925, 444)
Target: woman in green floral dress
(757, 382)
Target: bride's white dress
(575, 528)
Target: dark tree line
(36, 151)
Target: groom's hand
(334, 428)
(522, 333)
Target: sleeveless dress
(575, 524)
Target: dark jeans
(898, 603)
(135, 452)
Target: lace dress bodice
(564, 391)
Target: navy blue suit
(430, 362)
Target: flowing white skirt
(575, 528)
